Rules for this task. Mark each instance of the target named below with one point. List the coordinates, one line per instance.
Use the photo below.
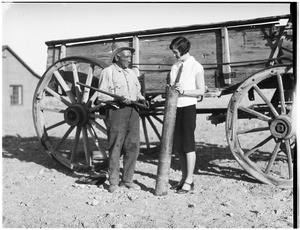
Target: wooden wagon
(250, 59)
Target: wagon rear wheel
(66, 117)
(260, 125)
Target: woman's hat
(117, 48)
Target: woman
(190, 86)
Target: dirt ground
(38, 192)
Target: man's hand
(144, 102)
(124, 101)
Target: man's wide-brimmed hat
(117, 48)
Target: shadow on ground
(209, 158)
(212, 160)
(29, 149)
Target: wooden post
(165, 154)
(62, 54)
(63, 51)
(219, 78)
(136, 56)
(226, 56)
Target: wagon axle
(282, 127)
(76, 115)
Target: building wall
(17, 119)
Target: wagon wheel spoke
(145, 132)
(86, 146)
(55, 125)
(273, 157)
(158, 119)
(76, 80)
(75, 145)
(64, 86)
(92, 99)
(252, 130)
(274, 111)
(100, 127)
(154, 127)
(52, 109)
(57, 96)
(255, 113)
(247, 154)
(93, 134)
(281, 93)
(289, 157)
(64, 137)
(95, 138)
(86, 92)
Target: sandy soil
(39, 192)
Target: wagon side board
(229, 51)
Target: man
(123, 126)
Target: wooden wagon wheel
(66, 117)
(260, 127)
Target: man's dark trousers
(123, 126)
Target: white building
(18, 85)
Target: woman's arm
(200, 87)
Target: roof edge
(6, 47)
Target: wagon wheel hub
(76, 115)
(282, 127)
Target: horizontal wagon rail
(260, 61)
(182, 29)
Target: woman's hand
(179, 88)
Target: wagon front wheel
(260, 125)
(67, 117)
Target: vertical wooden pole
(62, 54)
(63, 51)
(165, 154)
(219, 78)
(226, 56)
(136, 56)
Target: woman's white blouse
(188, 79)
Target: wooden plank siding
(246, 43)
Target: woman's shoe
(184, 191)
(177, 186)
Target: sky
(27, 26)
